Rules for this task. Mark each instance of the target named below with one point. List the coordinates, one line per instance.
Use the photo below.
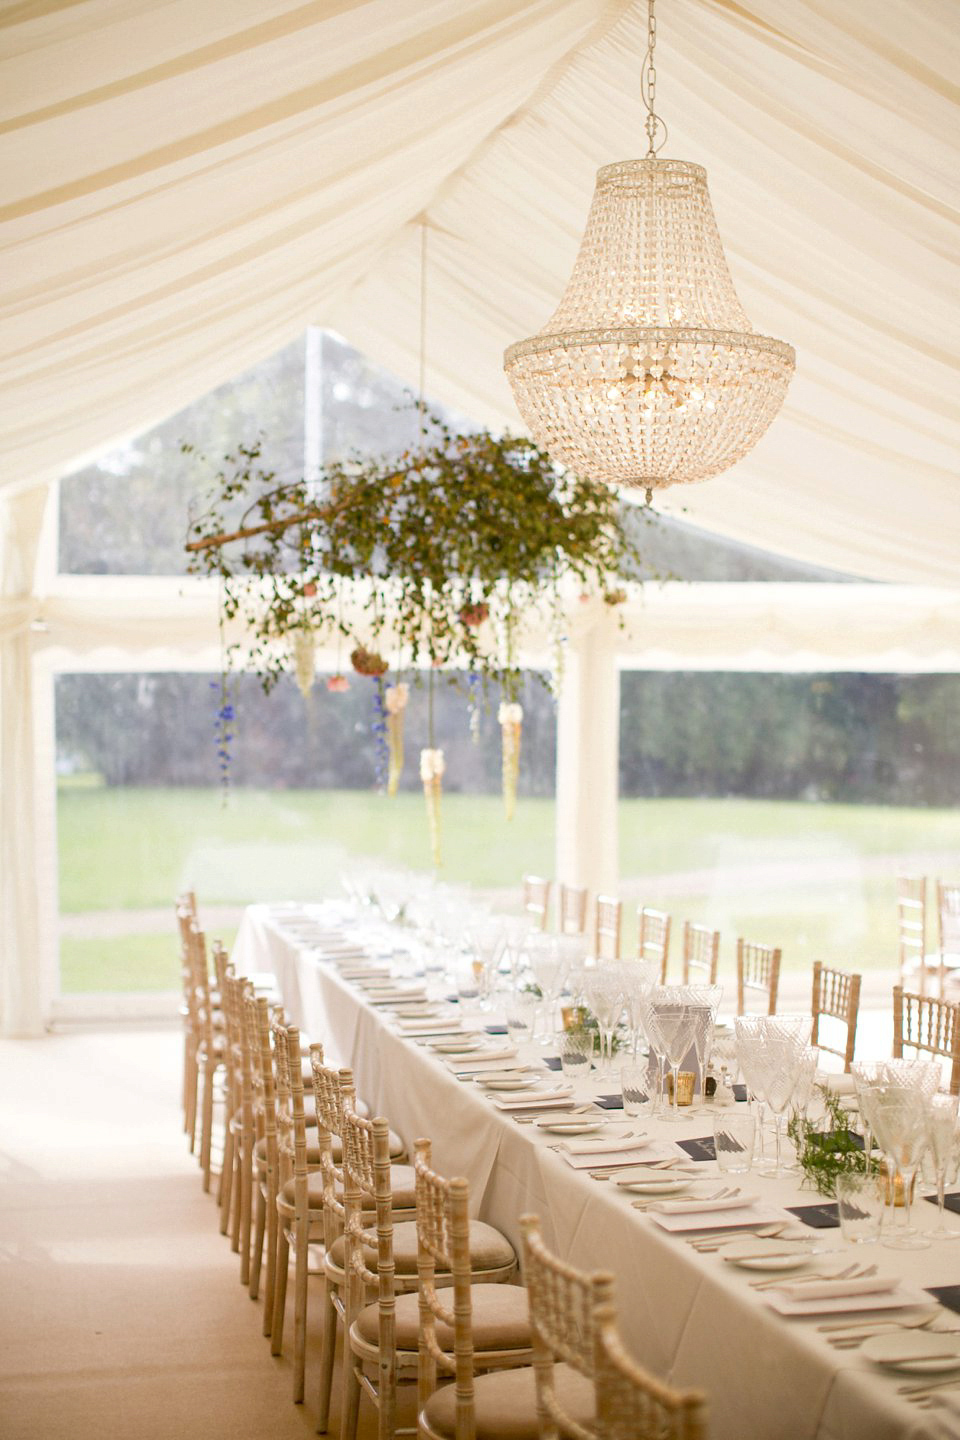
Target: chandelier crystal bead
(649, 374)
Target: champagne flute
(942, 1148)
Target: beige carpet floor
(121, 1310)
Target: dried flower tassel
(395, 699)
(511, 727)
(432, 767)
(304, 661)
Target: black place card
(495, 1029)
(818, 1217)
(553, 1062)
(609, 1102)
(950, 1202)
(739, 1092)
(948, 1295)
(702, 1149)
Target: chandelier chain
(653, 125)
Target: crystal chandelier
(649, 374)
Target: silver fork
(724, 1194)
(852, 1272)
(705, 1244)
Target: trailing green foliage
(825, 1153)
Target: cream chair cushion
(501, 1319)
(489, 1250)
(402, 1178)
(505, 1404)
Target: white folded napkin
(690, 1205)
(532, 1099)
(610, 1146)
(838, 1289)
(839, 1084)
(422, 1028)
(643, 1152)
(479, 1059)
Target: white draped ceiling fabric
(187, 185)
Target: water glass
(861, 1201)
(734, 1139)
(636, 1089)
(576, 1053)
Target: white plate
(458, 1046)
(772, 1254)
(898, 1299)
(520, 1081)
(918, 1352)
(655, 1185)
(569, 1127)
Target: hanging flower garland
(396, 698)
(453, 545)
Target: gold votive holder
(898, 1199)
(685, 1084)
(573, 1017)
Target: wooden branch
(213, 542)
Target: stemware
(548, 965)
(705, 1000)
(603, 990)
(676, 1022)
(486, 938)
(639, 978)
(942, 1149)
(782, 1058)
(899, 1120)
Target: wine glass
(548, 966)
(603, 989)
(942, 1148)
(639, 978)
(899, 1119)
(676, 1021)
(487, 944)
(705, 1001)
(655, 1041)
(781, 1057)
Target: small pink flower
(338, 684)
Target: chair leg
(327, 1355)
(271, 1263)
(226, 1177)
(301, 1269)
(279, 1291)
(351, 1398)
(256, 1258)
(190, 1118)
(246, 1201)
(206, 1125)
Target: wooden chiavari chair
(633, 1405)
(912, 929)
(461, 1327)
(185, 910)
(948, 931)
(237, 1062)
(701, 954)
(536, 899)
(334, 1093)
(758, 970)
(606, 932)
(563, 1301)
(573, 909)
(653, 938)
(385, 1260)
(836, 994)
(211, 1046)
(265, 1152)
(924, 1024)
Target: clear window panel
(141, 814)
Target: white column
(21, 981)
(588, 748)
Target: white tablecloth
(688, 1317)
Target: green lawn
(816, 879)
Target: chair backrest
(912, 926)
(632, 1405)
(196, 957)
(948, 919)
(536, 898)
(653, 938)
(563, 1301)
(758, 970)
(606, 933)
(573, 909)
(701, 954)
(328, 1089)
(835, 993)
(366, 1173)
(291, 1119)
(443, 1243)
(923, 1023)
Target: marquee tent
(188, 184)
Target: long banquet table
(687, 1316)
